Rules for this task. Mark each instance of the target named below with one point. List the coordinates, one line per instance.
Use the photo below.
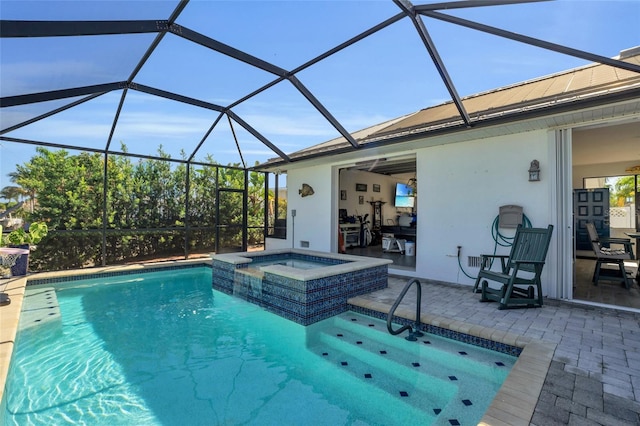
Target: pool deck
(580, 364)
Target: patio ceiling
(167, 65)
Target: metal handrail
(415, 332)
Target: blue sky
(384, 76)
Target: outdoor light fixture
(534, 171)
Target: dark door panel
(590, 205)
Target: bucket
(410, 248)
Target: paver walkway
(594, 378)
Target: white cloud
(36, 76)
(289, 125)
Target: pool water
(164, 349)
(292, 263)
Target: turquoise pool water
(292, 263)
(165, 349)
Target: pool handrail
(415, 332)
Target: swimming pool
(163, 348)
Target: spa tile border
(295, 256)
(302, 301)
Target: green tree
(12, 193)
(621, 190)
(145, 208)
(68, 188)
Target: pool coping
(354, 263)
(518, 396)
(514, 403)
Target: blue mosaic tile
(304, 302)
(54, 280)
(443, 332)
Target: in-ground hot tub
(301, 285)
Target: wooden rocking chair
(520, 271)
(609, 255)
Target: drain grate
(474, 261)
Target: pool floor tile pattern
(359, 366)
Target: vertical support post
(266, 207)
(245, 206)
(186, 210)
(105, 181)
(276, 198)
(217, 218)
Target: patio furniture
(636, 236)
(520, 271)
(8, 258)
(607, 255)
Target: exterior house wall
(314, 213)
(460, 187)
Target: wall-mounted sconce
(534, 171)
(305, 190)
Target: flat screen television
(404, 195)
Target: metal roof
(575, 87)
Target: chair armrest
(487, 262)
(497, 256)
(529, 262)
(616, 240)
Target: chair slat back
(593, 237)
(530, 245)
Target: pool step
(443, 354)
(389, 375)
(43, 309)
(434, 378)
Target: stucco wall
(460, 188)
(314, 212)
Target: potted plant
(19, 238)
